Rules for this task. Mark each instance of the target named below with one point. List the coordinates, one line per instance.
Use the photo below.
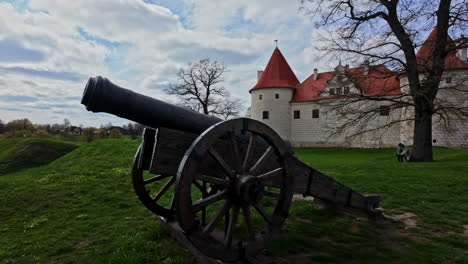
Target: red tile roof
(424, 54)
(379, 81)
(277, 73)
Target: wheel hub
(248, 189)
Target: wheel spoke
(172, 202)
(269, 175)
(155, 178)
(204, 208)
(248, 222)
(271, 194)
(261, 159)
(164, 189)
(235, 150)
(249, 151)
(209, 200)
(212, 179)
(221, 162)
(263, 213)
(199, 187)
(212, 224)
(231, 226)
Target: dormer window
(332, 91)
(339, 91)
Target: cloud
(12, 51)
(54, 46)
(18, 98)
(70, 76)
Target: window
(339, 91)
(448, 80)
(346, 90)
(332, 91)
(339, 78)
(384, 110)
(265, 115)
(315, 113)
(260, 97)
(276, 96)
(297, 114)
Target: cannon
(224, 187)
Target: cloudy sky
(49, 48)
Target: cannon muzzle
(101, 95)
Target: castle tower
(271, 95)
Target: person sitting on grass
(399, 152)
(406, 153)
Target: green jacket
(399, 150)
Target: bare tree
(388, 32)
(200, 90)
(2, 127)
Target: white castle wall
(453, 133)
(309, 132)
(278, 108)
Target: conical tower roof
(424, 54)
(277, 73)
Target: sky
(49, 49)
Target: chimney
(259, 75)
(366, 67)
(315, 74)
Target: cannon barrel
(101, 95)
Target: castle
(304, 113)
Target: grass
(81, 208)
(17, 154)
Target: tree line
(25, 128)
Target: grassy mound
(81, 208)
(17, 154)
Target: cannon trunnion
(224, 187)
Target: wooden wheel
(246, 165)
(154, 191)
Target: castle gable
(364, 81)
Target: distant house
(74, 130)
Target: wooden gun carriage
(225, 186)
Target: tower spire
(276, 42)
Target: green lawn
(81, 208)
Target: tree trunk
(422, 139)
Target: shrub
(41, 134)
(89, 134)
(101, 133)
(115, 133)
(19, 133)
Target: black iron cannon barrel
(101, 95)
